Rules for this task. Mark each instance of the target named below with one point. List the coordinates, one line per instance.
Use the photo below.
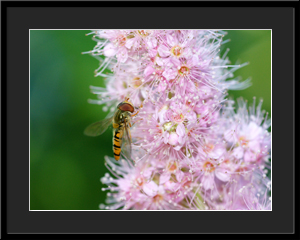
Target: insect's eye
(126, 107)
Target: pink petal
(152, 53)
(151, 43)
(217, 152)
(161, 189)
(180, 130)
(148, 172)
(191, 116)
(179, 176)
(159, 61)
(122, 55)
(130, 42)
(205, 92)
(162, 116)
(109, 50)
(170, 74)
(181, 139)
(177, 148)
(175, 62)
(173, 138)
(254, 130)
(254, 145)
(124, 185)
(207, 181)
(107, 34)
(195, 60)
(238, 152)
(162, 86)
(171, 41)
(163, 51)
(172, 186)
(250, 156)
(150, 188)
(149, 70)
(166, 137)
(220, 174)
(190, 62)
(230, 136)
(164, 177)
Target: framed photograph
(129, 119)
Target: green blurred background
(65, 165)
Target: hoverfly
(121, 129)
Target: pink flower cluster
(191, 149)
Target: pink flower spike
(192, 148)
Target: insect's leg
(135, 113)
(135, 122)
(139, 108)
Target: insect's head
(126, 106)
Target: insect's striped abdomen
(117, 143)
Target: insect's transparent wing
(97, 128)
(110, 114)
(126, 142)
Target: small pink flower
(172, 167)
(173, 47)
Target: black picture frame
(18, 17)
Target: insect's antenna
(127, 99)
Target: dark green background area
(65, 165)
